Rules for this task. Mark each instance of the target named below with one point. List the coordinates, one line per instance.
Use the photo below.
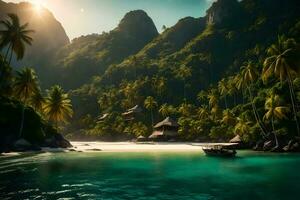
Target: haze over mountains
(49, 35)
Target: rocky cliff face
(139, 25)
(91, 55)
(222, 11)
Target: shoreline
(98, 146)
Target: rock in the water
(62, 142)
(292, 146)
(276, 149)
(94, 149)
(57, 141)
(268, 145)
(259, 146)
(22, 145)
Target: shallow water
(156, 175)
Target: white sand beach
(127, 147)
(139, 147)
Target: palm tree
(25, 85)
(6, 78)
(159, 84)
(164, 110)
(228, 117)
(232, 89)
(150, 104)
(58, 107)
(14, 36)
(203, 112)
(280, 63)
(202, 96)
(183, 73)
(223, 90)
(249, 74)
(240, 84)
(37, 101)
(185, 109)
(275, 111)
(242, 127)
(213, 98)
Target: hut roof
(236, 139)
(135, 109)
(102, 117)
(156, 134)
(167, 122)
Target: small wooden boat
(219, 151)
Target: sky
(82, 17)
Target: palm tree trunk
(152, 118)
(22, 121)
(225, 101)
(184, 91)
(275, 136)
(292, 95)
(7, 51)
(242, 97)
(234, 98)
(10, 57)
(256, 115)
(3, 67)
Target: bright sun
(38, 4)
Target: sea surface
(150, 176)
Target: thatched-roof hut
(131, 113)
(167, 123)
(236, 139)
(141, 139)
(166, 129)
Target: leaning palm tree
(58, 107)
(14, 37)
(275, 111)
(280, 62)
(250, 74)
(150, 104)
(25, 85)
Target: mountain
(211, 47)
(91, 55)
(200, 43)
(48, 36)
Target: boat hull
(220, 153)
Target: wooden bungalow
(131, 113)
(165, 130)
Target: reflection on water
(149, 176)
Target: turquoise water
(149, 176)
